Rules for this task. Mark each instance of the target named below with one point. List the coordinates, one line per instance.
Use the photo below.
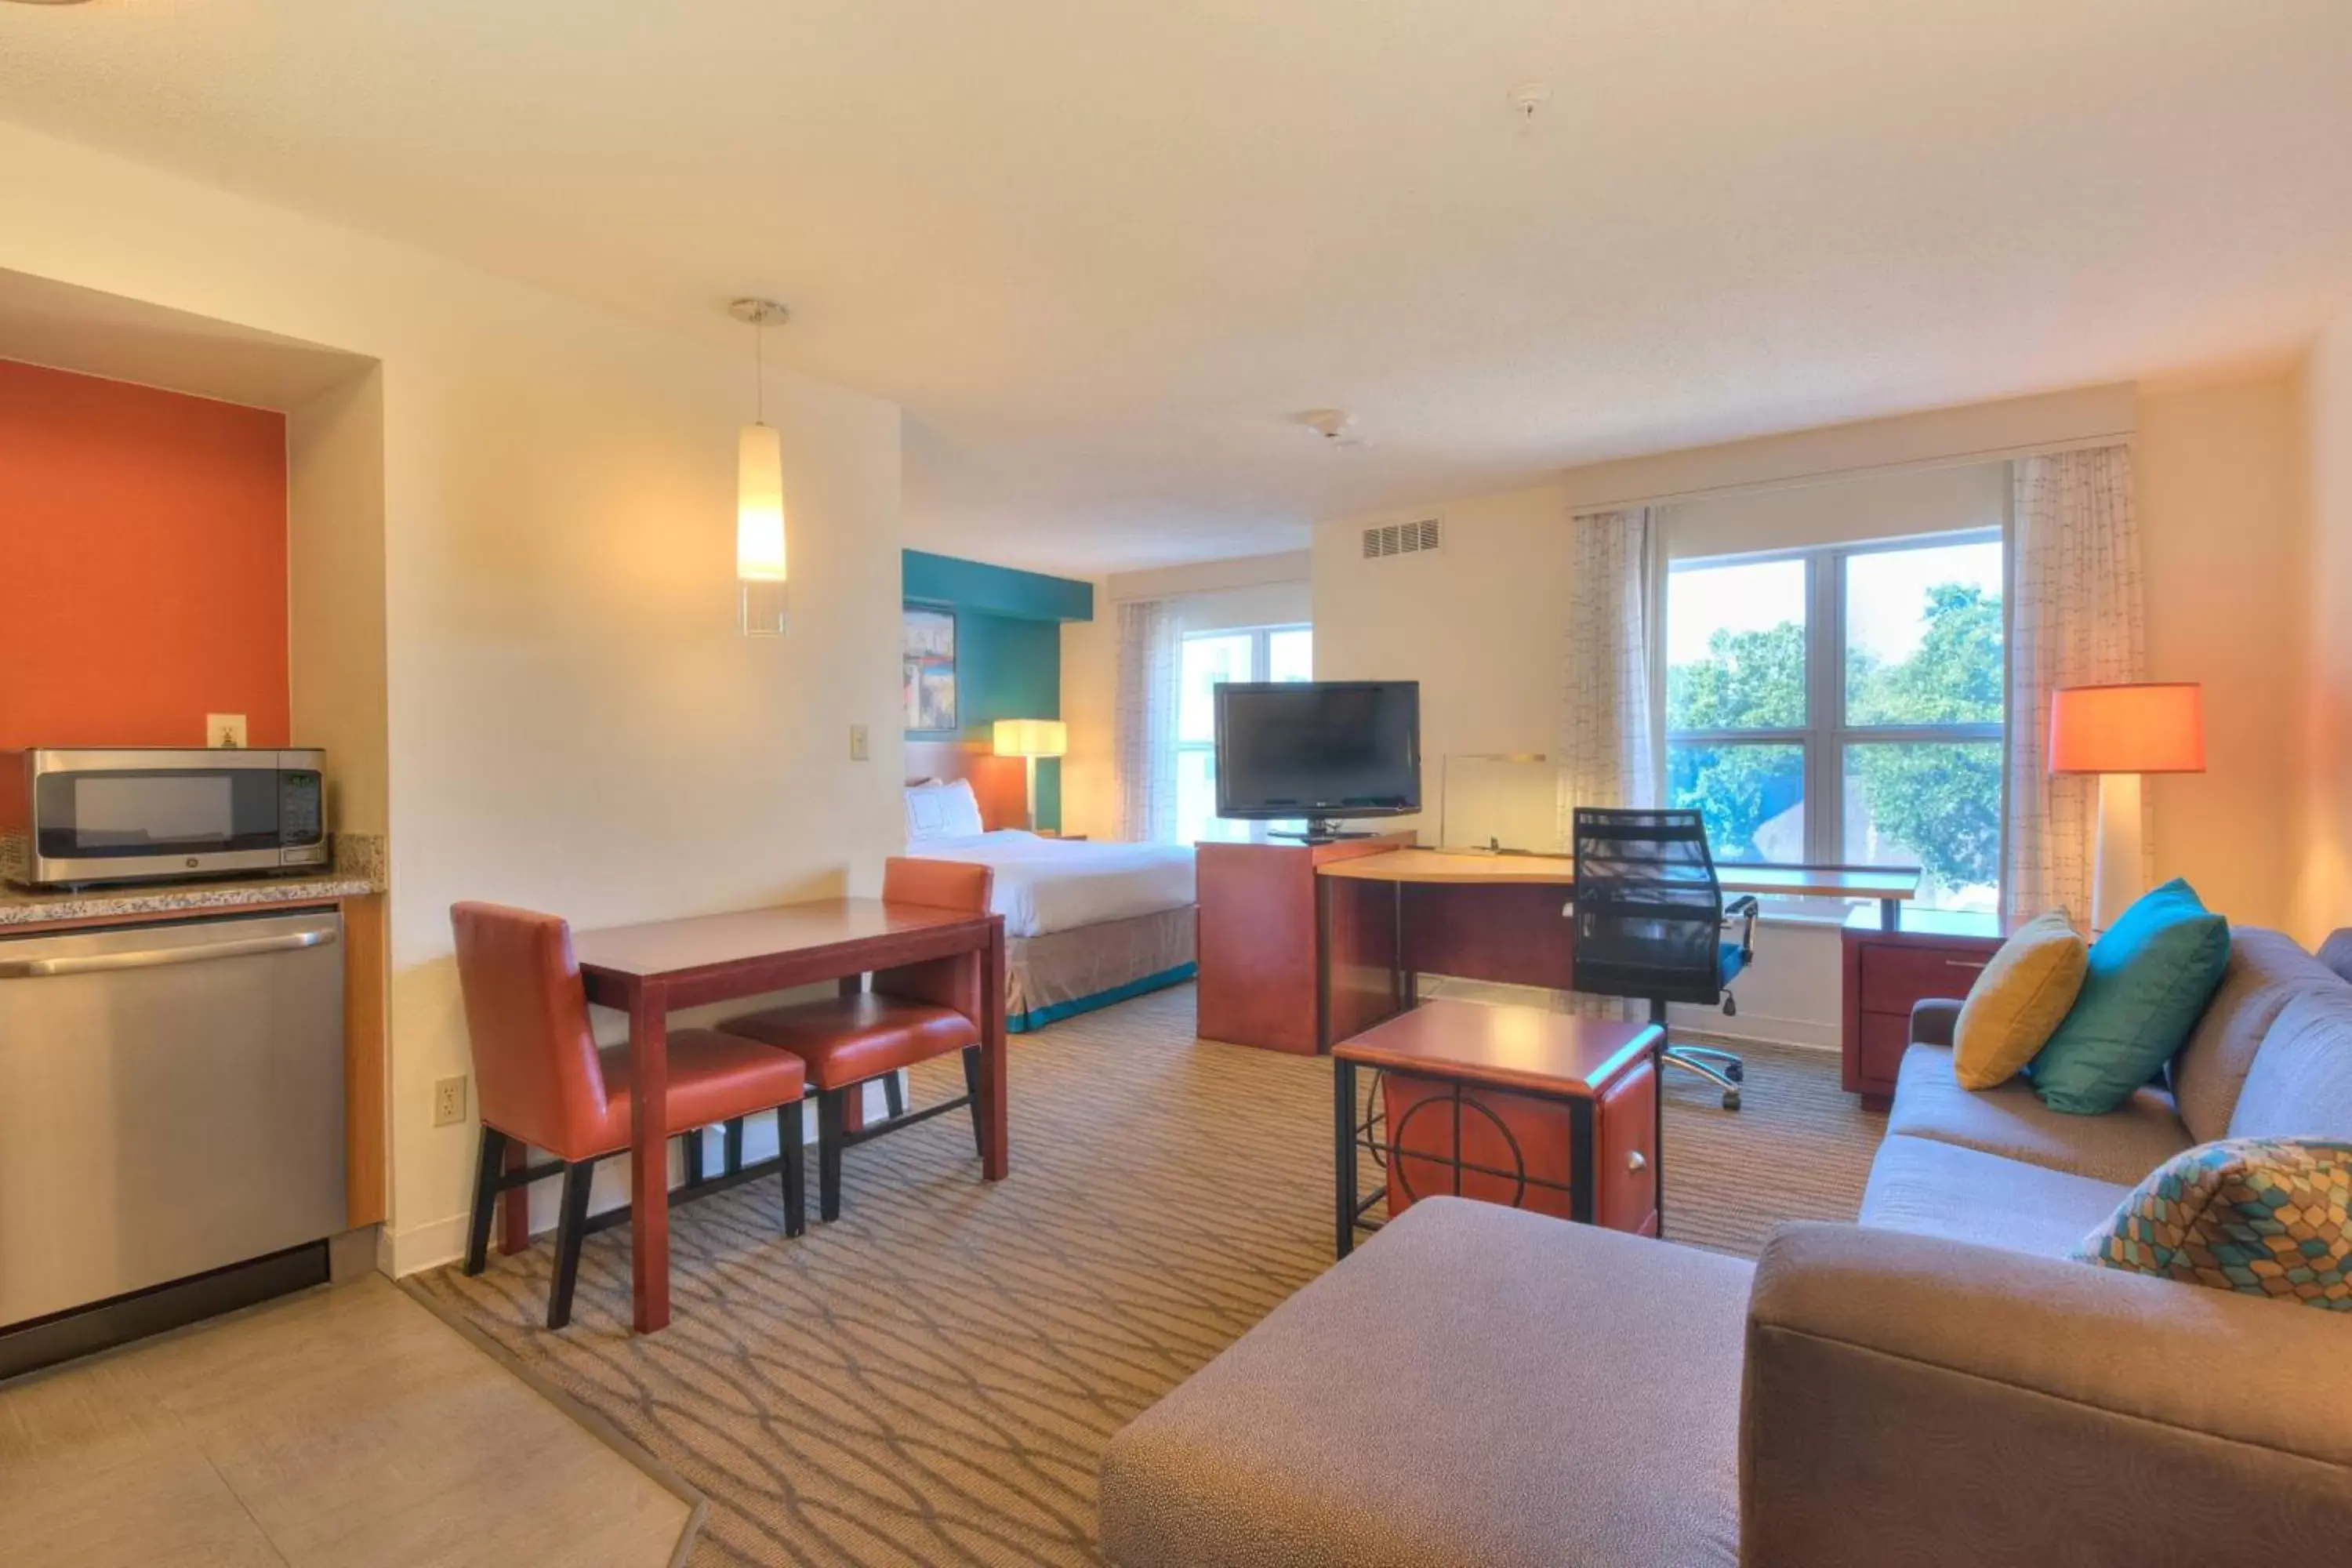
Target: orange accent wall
(142, 564)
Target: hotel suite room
(888, 1090)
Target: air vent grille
(1404, 538)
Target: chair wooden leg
(830, 1131)
(795, 1158)
(571, 1230)
(971, 1087)
(491, 1161)
(733, 1142)
(894, 1095)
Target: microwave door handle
(159, 957)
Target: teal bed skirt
(1038, 1017)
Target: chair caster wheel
(1730, 1099)
(1736, 1071)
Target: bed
(1085, 924)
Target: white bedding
(1047, 885)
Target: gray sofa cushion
(2267, 969)
(2122, 1146)
(1477, 1385)
(2336, 952)
(2301, 1083)
(1927, 1188)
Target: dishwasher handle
(157, 957)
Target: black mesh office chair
(1649, 921)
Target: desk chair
(543, 1083)
(914, 1013)
(1650, 918)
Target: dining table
(649, 970)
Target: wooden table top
(665, 948)
(1501, 1046)
(1559, 871)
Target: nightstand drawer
(1894, 977)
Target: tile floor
(347, 1425)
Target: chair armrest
(1744, 909)
(1933, 1022)
(1908, 1399)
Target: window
(1844, 705)
(1252, 653)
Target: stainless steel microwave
(72, 816)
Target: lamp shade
(759, 505)
(2146, 728)
(1031, 738)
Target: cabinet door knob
(1635, 1161)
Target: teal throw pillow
(2150, 976)
(2263, 1215)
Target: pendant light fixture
(760, 559)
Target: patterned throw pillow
(2268, 1216)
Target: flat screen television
(1325, 751)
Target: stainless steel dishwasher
(170, 1104)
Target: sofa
(1937, 1383)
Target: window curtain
(1146, 729)
(1611, 743)
(2075, 619)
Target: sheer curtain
(1149, 640)
(2073, 620)
(1611, 739)
(1610, 736)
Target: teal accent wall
(994, 590)
(1008, 648)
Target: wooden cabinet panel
(1894, 976)
(1886, 973)
(1256, 944)
(1885, 1038)
(1627, 1120)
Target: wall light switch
(448, 1101)
(224, 730)
(858, 751)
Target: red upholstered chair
(910, 1015)
(545, 1084)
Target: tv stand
(1322, 830)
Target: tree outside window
(1844, 705)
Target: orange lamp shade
(2145, 728)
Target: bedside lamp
(1029, 739)
(2120, 733)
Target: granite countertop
(358, 870)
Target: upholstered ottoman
(1476, 1385)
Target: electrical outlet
(448, 1101)
(225, 730)
(858, 748)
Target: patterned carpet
(931, 1379)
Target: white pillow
(942, 810)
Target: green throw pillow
(2150, 976)
(2263, 1215)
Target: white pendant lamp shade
(762, 603)
(759, 505)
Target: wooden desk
(1539, 1110)
(1888, 885)
(646, 970)
(1383, 918)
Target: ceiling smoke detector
(1336, 426)
(1527, 98)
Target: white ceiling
(1101, 250)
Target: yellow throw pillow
(2019, 1001)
